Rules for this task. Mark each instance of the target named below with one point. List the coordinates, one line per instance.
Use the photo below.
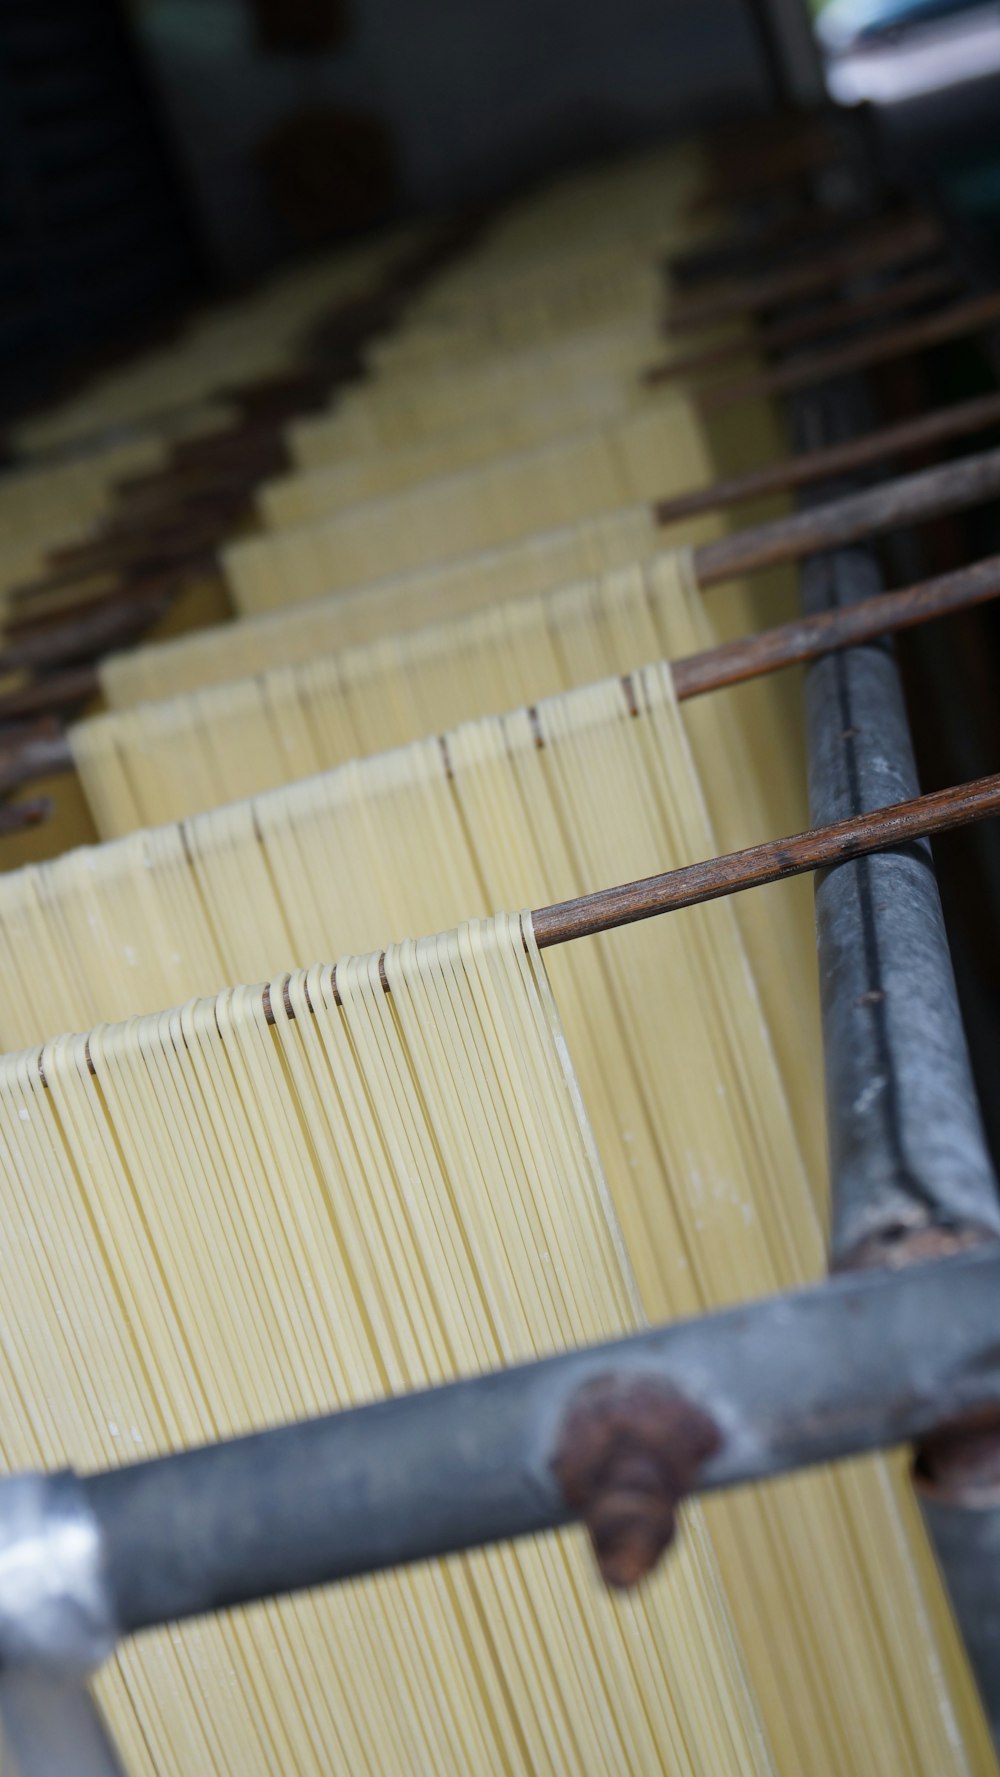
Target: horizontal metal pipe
(851, 1365)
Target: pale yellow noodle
(376, 1195)
(829, 1582)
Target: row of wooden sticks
(174, 519)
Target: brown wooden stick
(908, 499)
(917, 286)
(15, 817)
(730, 663)
(755, 168)
(792, 228)
(110, 624)
(883, 828)
(188, 542)
(909, 241)
(806, 638)
(798, 329)
(49, 616)
(971, 316)
(62, 691)
(961, 420)
(42, 756)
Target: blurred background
(154, 150)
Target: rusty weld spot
(960, 1462)
(629, 1451)
(895, 1247)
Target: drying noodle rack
(900, 1345)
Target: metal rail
(911, 1176)
(850, 1365)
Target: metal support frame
(911, 1175)
(860, 1362)
(908, 1154)
(872, 1357)
(789, 51)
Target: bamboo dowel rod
(901, 823)
(729, 663)
(805, 638)
(882, 247)
(762, 171)
(807, 328)
(930, 493)
(57, 612)
(44, 755)
(69, 594)
(964, 418)
(971, 316)
(798, 227)
(16, 817)
(105, 626)
(54, 616)
(63, 691)
(118, 554)
(917, 286)
(927, 494)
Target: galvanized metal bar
(53, 1727)
(910, 1170)
(907, 1149)
(966, 1536)
(859, 1362)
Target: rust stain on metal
(892, 1249)
(629, 1451)
(959, 1464)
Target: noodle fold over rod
(913, 498)
(195, 501)
(108, 621)
(203, 495)
(48, 751)
(774, 860)
(105, 622)
(699, 1405)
